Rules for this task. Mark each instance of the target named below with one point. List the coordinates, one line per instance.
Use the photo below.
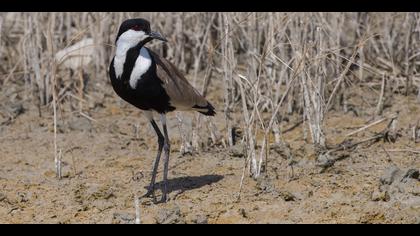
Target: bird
(152, 84)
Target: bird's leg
(151, 190)
(166, 148)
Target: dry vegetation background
(268, 74)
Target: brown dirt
(106, 164)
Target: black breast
(148, 94)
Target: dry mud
(107, 162)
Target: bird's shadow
(186, 183)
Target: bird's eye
(136, 27)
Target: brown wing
(182, 94)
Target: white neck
(127, 40)
(142, 65)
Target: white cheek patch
(143, 64)
(127, 40)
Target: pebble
(80, 124)
(237, 150)
(390, 175)
(380, 196)
(169, 216)
(123, 218)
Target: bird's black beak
(156, 35)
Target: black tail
(206, 110)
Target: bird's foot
(150, 192)
(164, 194)
(164, 199)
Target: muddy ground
(106, 162)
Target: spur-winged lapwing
(153, 84)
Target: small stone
(380, 196)
(200, 219)
(288, 196)
(169, 216)
(123, 218)
(237, 150)
(389, 175)
(23, 197)
(14, 110)
(49, 174)
(243, 213)
(408, 186)
(372, 217)
(10, 112)
(325, 161)
(80, 124)
(100, 192)
(412, 174)
(113, 128)
(102, 205)
(283, 149)
(264, 185)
